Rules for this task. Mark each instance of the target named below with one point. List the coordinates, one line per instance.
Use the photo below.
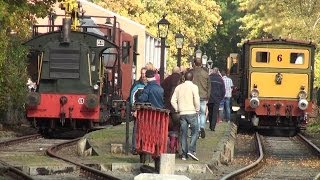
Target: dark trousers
(213, 109)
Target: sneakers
(183, 159)
(202, 133)
(193, 156)
(134, 152)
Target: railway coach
(83, 72)
(275, 79)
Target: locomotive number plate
(100, 42)
(81, 100)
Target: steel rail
(10, 170)
(241, 172)
(20, 139)
(87, 171)
(15, 173)
(310, 144)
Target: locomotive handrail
(241, 171)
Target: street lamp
(198, 54)
(191, 48)
(209, 63)
(204, 59)
(179, 44)
(163, 27)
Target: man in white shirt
(186, 101)
(228, 84)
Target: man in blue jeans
(201, 79)
(186, 101)
(228, 84)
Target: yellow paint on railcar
(289, 87)
(279, 58)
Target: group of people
(192, 96)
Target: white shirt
(228, 84)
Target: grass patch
(116, 158)
(114, 134)
(33, 160)
(314, 126)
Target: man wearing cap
(152, 92)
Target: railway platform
(215, 149)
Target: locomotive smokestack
(66, 30)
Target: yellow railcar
(275, 82)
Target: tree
(16, 18)
(196, 19)
(225, 41)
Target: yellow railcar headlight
(254, 93)
(303, 94)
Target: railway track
(27, 151)
(282, 158)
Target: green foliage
(224, 42)
(16, 18)
(196, 19)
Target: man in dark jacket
(216, 95)
(168, 85)
(152, 92)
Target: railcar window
(263, 57)
(296, 58)
(125, 52)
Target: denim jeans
(185, 120)
(202, 114)
(227, 111)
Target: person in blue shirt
(152, 92)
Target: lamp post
(204, 59)
(179, 44)
(191, 48)
(209, 63)
(163, 27)
(198, 54)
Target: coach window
(125, 52)
(262, 57)
(296, 58)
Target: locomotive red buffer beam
(278, 108)
(73, 106)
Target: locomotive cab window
(297, 58)
(262, 57)
(234, 66)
